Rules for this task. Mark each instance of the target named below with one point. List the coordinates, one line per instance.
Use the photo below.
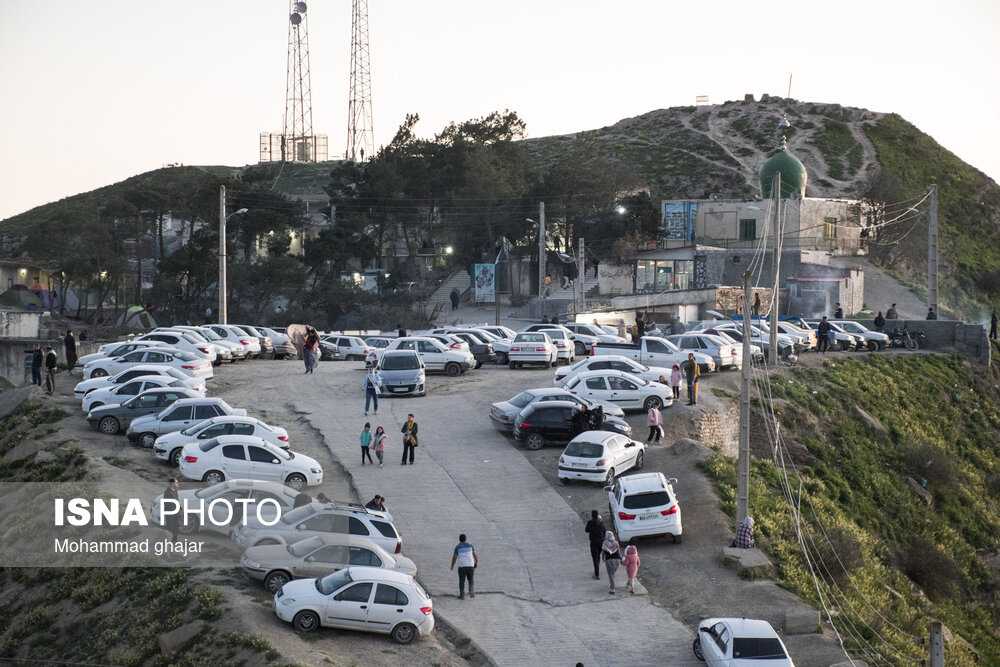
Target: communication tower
(360, 135)
(298, 142)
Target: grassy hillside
(888, 562)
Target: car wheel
(213, 477)
(479, 365)
(565, 480)
(269, 355)
(579, 348)
(275, 580)
(534, 442)
(501, 359)
(99, 373)
(147, 439)
(640, 460)
(96, 404)
(872, 346)
(453, 369)
(610, 479)
(186, 528)
(696, 647)
(175, 457)
(305, 621)
(677, 539)
(296, 481)
(404, 633)
(109, 426)
(512, 365)
(652, 402)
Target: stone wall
(947, 336)
(19, 323)
(12, 356)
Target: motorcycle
(902, 338)
(920, 337)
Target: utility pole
(223, 315)
(581, 277)
(541, 253)
(932, 253)
(776, 197)
(936, 642)
(743, 461)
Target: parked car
(358, 598)
(283, 347)
(248, 457)
(504, 413)
(236, 350)
(501, 332)
(377, 344)
(600, 334)
(500, 346)
(481, 348)
(740, 642)
(758, 337)
(804, 337)
(234, 492)
(328, 351)
(250, 344)
(276, 564)
(223, 352)
(351, 348)
(101, 382)
(183, 341)
(119, 393)
(873, 340)
(111, 419)
(167, 356)
(842, 341)
(402, 373)
(179, 416)
(266, 345)
(611, 362)
(532, 348)
(115, 350)
(168, 447)
(598, 456)
(654, 351)
(722, 353)
(435, 355)
(623, 389)
(321, 519)
(644, 505)
(579, 344)
(734, 336)
(555, 422)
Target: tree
(890, 230)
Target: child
(631, 563)
(654, 420)
(675, 380)
(366, 440)
(379, 446)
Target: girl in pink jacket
(654, 420)
(675, 380)
(631, 563)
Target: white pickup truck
(654, 351)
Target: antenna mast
(360, 133)
(297, 141)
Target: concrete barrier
(12, 355)
(946, 336)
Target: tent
(18, 296)
(137, 317)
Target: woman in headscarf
(622, 329)
(612, 557)
(631, 563)
(744, 535)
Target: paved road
(536, 600)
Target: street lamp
(223, 219)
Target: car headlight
(251, 563)
(416, 379)
(287, 601)
(315, 471)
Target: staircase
(442, 295)
(556, 292)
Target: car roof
(548, 391)
(549, 405)
(744, 627)
(201, 400)
(595, 437)
(643, 482)
(237, 440)
(612, 372)
(379, 574)
(609, 357)
(400, 353)
(163, 390)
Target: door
(176, 419)
(625, 393)
(234, 462)
(348, 608)
(214, 431)
(594, 388)
(627, 450)
(658, 354)
(387, 608)
(145, 404)
(321, 562)
(432, 355)
(265, 464)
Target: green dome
(793, 175)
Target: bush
(208, 603)
(930, 567)
(930, 462)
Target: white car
(181, 340)
(723, 354)
(624, 389)
(198, 337)
(248, 457)
(577, 344)
(236, 350)
(874, 340)
(185, 362)
(250, 344)
(740, 642)
(321, 518)
(168, 447)
(501, 332)
(610, 362)
(804, 337)
(377, 345)
(644, 505)
(179, 416)
(590, 330)
(231, 491)
(598, 456)
(101, 382)
(114, 350)
(119, 393)
(532, 348)
(351, 348)
(358, 598)
(435, 355)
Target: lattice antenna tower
(360, 133)
(298, 142)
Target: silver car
(179, 416)
(402, 373)
(321, 519)
(504, 413)
(236, 493)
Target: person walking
(891, 313)
(379, 445)
(654, 420)
(597, 262)
(468, 560)
(366, 441)
(309, 349)
(70, 343)
(612, 557)
(410, 442)
(622, 329)
(931, 315)
(50, 370)
(692, 371)
(595, 533)
(675, 381)
(171, 521)
(631, 563)
(454, 296)
(372, 384)
(756, 304)
(879, 321)
(400, 331)
(823, 331)
(377, 503)
(37, 358)
(993, 325)
(838, 312)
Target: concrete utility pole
(776, 197)
(936, 643)
(932, 253)
(541, 252)
(223, 315)
(581, 278)
(743, 461)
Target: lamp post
(223, 307)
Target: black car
(557, 422)
(328, 351)
(481, 350)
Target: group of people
(375, 442)
(49, 360)
(604, 548)
(588, 419)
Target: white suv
(644, 504)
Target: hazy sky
(96, 91)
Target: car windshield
(584, 450)
(332, 582)
(522, 399)
(210, 491)
(555, 333)
(640, 501)
(191, 430)
(209, 334)
(530, 338)
(308, 545)
(297, 514)
(400, 362)
(758, 648)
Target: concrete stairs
(442, 295)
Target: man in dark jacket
(692, 371)
(595, 532)
(931, 315)
(50, 370)
(70, 342)
(879, 321)
(640, 330)
(36, 364)
(823, 332)
(838, 312)
(993, 325)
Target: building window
(748, 229)
(829, 228)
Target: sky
(95, 91)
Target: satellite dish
(300, 7)
(295, 19)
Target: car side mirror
(705, 629)
(608, 488)
(275, 461)
(630, 444)
(310, 559)
(672, 480)
(300, 527)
